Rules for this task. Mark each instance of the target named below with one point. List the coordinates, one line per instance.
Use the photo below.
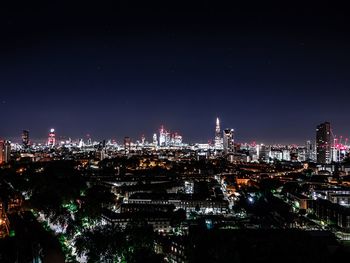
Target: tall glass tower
(323, 143)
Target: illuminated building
(25, 139)
(264, 153)
(286, 155)
(310, 152)
(101, 154)
(81, 143)
(127, 144)
(335, 154)
(167, 139)
(218, 139)
(276, 154)
(164, 137)
(187, 202)
(228, 141)
(254, 152)
(155, 139)
(323, 142)
(5, 151)
(51, 141)
(339, 150)
(176, 139)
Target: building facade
(323, 143)
(228, 141)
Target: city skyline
(219, 129)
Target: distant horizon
(119, 139)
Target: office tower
(228, 141)
(177, 139)
(164, 137)
(25, 139)
(218, 139)
(5, 151)
(309, 151)
(127, 144)
(81, 143)
(323, 143)
(264, 153)
(167, 138)
(155, 139)
(286, 155)
(51, 141)
(2, 151)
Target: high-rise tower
(323, 143)
(218, 139)
(25, 139)
(51, 141)
(164, 137)
(310, 151)
(155, 139)
(5, 151)
(228, 141)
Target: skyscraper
(5, 151)
(228, 141)
(25, 139)
(2, 149)
(177, 139)
(310, 151)
(127, 144)
(164, 137)
(51, 141)
(323, 143)
(218, 139)
(155, 139)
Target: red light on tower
(51, 141)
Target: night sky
(271, 71)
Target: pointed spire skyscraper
(218, 139)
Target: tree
(55, 191)
(109, 243)
(95, 199)
(140, 244)
(101, 244)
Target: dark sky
(114, 69)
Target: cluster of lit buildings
(167, 138)
(329, 147)
(326, 149)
